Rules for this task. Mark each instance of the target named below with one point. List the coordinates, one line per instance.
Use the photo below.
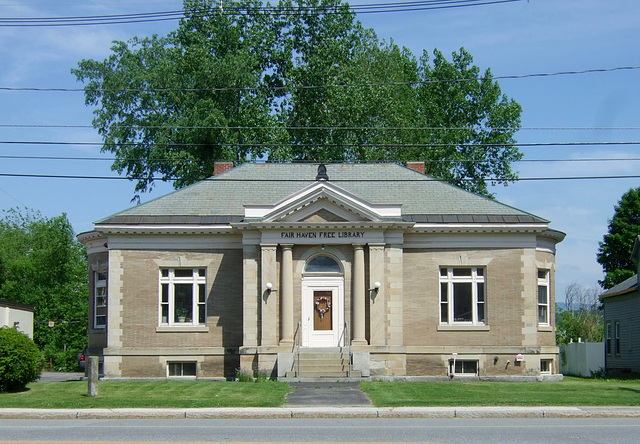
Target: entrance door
(322, 312)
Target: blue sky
(513, 39)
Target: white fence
(581, 358)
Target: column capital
(286, 246)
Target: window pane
(470, 367)
(165, 273)
(202, 293)
(183, 273)
(542, 294)
(481, 313)
(443, 292)
(480, 290)
(480, 272)
(188, 369)
(101, 276)
(462, 271)
(443, 272)
(202, 272)
(174, 369)
(183, 302)
(542, 274)
(542, 314)
(165, 313)
(462, 302)
(165, 293)
(323, 264)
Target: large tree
(614, 252)
(302, 80)
(43, 265)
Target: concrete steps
(318, 363)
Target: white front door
(322, 312)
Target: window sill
(462, 328)
(545, 328)
(182, 329)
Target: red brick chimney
(221, 167)
(418, 167)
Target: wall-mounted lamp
(374, 291)
(322, 247)
(270, 288)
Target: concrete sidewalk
(326, 412)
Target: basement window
(181, 369)
(546, 366)
(463, 367)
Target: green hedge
(19, 360)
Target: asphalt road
(60, 376)
(522, 431)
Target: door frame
(335, 284)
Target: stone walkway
(329, 394)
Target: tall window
(543, 297)
(617, 337)
(462, 296)
(100, 299)
(183, 298)
(607, 337)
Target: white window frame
(100, 295)
(477, 279)
(167, 297)
(181, 364)
(543, 286)
(461, 362)
(548, 363)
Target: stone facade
(379, 277)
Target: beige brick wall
(504, 290)
(141, 300)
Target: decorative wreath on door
(326, 308)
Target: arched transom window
(322, 264)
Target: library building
(322, 271)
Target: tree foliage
(19, 360)
(583, 318)
(302, 80)
(43, 265)
(614, 252)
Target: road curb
(329, 413)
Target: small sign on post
(92, 362)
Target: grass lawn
(571, 391)
(182, 394)
(119, 394)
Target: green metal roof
(220, 199)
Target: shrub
(243, 376)
(19, 360)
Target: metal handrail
(348, 344)
(297, 345)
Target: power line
(304, 87)
(111, 159)
(421, 180)
(118, 19)
(330, 145)
(332, 128)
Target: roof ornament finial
(322, 173)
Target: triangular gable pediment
(322, 202)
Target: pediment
(322, 202)
(323, 215)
